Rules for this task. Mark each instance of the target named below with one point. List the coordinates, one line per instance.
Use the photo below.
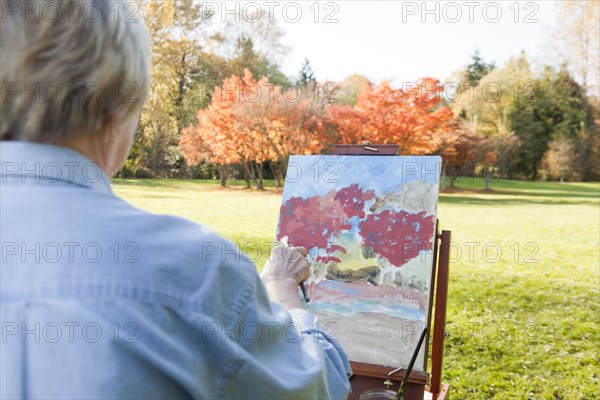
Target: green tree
(477, 69)
(467, 80)
(306, 76)
(486, 105)
(558, 110)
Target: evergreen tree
(306, 75)
(477, 69)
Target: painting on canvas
(368, 223)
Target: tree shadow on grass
(516, 200)
(202, 184)
(530, 187)
(507, 192)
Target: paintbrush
(284, 241)
(410, 366)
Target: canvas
(368, 223)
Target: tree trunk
(259, 174)
(276, 169)
(488, 178)
(443, 186)
(252, 169)
(247, 173)
(283, 163)
(223, 174)
(452, 175)
(155, 156)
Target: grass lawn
(523, 313)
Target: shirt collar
(27, 162)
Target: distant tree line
(538, 125)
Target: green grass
(247, 217)
(523, 324)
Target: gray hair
(68, 64)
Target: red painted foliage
(353, 200)
(336, 247)
(327, 259)
(311, 222)
(397, 235)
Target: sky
(404, 40)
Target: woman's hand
(283, 272)
(287, 263)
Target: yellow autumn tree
(179, 37)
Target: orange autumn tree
(279, 120)
(412, 118)
(251, 123)
(215, 126)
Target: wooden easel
(371, 376)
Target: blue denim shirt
(102, 300)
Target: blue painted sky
(310, 175)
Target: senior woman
(100, 299)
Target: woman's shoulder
(184, 247)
